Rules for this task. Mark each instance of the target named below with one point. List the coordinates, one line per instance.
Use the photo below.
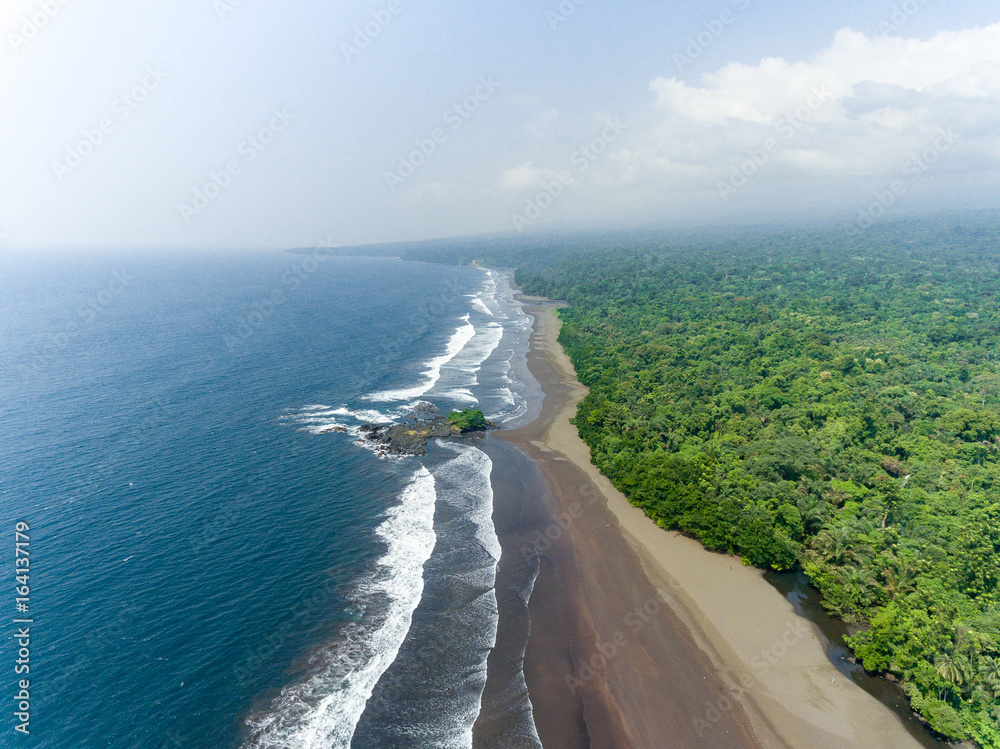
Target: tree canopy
(819, 401)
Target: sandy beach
(640, 637)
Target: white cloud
(846, 121)
(820, 135)
(527, 177)
(953, 64)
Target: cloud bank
(863, 107)
(865, 114)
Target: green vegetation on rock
(468, 419)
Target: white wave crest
(479, 305)
(432, 372)
(322, 712)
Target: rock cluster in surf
(410, 437)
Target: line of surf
(323, 710)
(432, 371)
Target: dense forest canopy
(819, 401)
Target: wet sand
(608, 663)
(640, 637)
(521, 510)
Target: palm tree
(862, 579)
(813, 515)
(979, 694)
(989, 669)
(837, 496)
(899, 576)
(948, 669)
(835, 544)
(806, 486)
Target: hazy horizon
(240, 123)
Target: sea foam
(322, 711)
(432, 369)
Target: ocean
(216, 558)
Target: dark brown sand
(608, 663)
(522, 509)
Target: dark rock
(425, 410)
(410, 437)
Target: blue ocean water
(216, 560)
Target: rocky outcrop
(410, 437)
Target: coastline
(686, 645)
(608, 662)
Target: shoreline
(723, 660)
(608, 662)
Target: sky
(264, 124)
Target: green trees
(809, 402)
(468, 419)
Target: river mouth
(795, 587)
